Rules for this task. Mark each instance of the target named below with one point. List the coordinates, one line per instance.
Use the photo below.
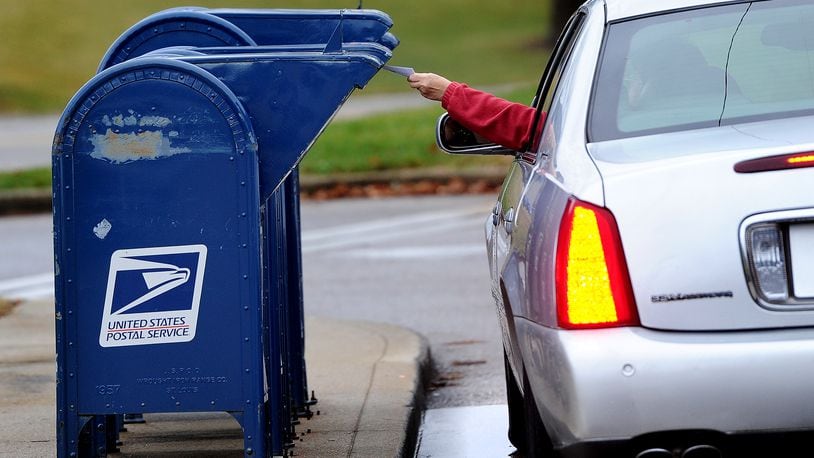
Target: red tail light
(782, 162)
(593, 284)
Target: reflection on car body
(652, 255)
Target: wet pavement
(465, 432)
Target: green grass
(392, 141)
(34, 178)
(49, 48)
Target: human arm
(502, 122)
(430, 85)
(498, 120)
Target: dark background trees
(562, 10)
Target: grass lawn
(50, 48)
(392, 141)
(34, 178)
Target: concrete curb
(370, 386)
(39, 200)
(397, 391)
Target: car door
(510, 219)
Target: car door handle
(508, 219)
(496, 211)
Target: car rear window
(706, 67)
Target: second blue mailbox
(166, 177)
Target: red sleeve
(498, 120)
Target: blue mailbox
(187, 31)
(176, 219)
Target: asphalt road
(26, 256)
(415, 262)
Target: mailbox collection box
(176, 217)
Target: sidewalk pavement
(368, 378)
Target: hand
(430, 85)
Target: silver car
(652, 251)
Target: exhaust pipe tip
(702, 451)
(655, 453)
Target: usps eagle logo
(153, 295)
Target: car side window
(550, 80)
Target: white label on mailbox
(153, 295)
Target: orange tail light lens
(782, 162)
(593, 284)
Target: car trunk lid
(682, 211)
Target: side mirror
(454, 138)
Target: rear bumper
(743, 445)
(617, 384)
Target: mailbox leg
(274, 253)
(254, 433)
(93, 438)
(69, 436)
(99, 435)
(272, 438)
(296, 319)
(112, 433)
